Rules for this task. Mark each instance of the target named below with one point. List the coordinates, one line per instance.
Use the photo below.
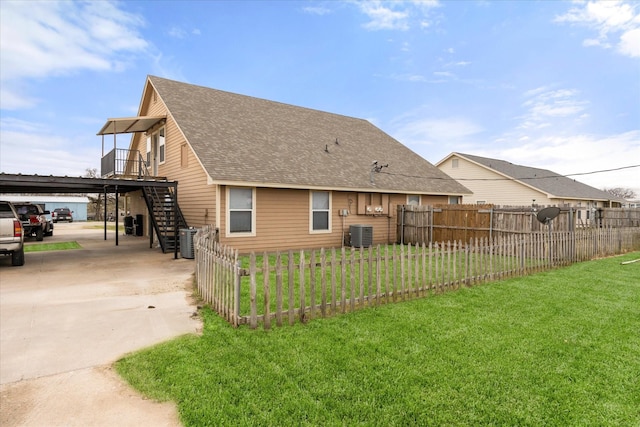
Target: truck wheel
(39, 234)
(17, 258)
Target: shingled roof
(239, 138)
(554, 184)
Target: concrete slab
(67, 315)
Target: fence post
(378, 274)
(343, 281)
(267, 291)
(253, 320)
(312, 284)
(323, 282)
(290, 273)
(352, 295)
(279, 288)
(333, 281)
(238, 282)
(303, 297)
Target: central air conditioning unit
(361, 235)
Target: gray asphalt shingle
(244, 139)
(544, 180)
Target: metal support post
(117, 207)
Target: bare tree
(95, 200)
(91, 173)
(625, 193)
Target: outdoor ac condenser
(361, 235)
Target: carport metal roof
(18, 183)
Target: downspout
(431, 224)
(117, 210)
(491, 225)
(149, 221)
(175, 216)
(402, 226)
(218, 205)
(104, 219)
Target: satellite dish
(548, 214)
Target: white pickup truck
(11, 234)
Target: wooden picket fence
(286, 287)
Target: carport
(18, 183)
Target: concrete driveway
(66, 316)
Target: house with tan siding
(500, 182)
(268, 175)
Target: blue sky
(547, 84)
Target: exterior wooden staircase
(166, 216)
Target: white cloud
(181, 33)
(408, 77)
(630, 43)
(578, 154)
(383, 18)
(30, 148)
(317, 10)
(413, 130)
(177, 32)
(12, 100)
(396, 15)
(608, 19)
(543, 105)
(42, 39)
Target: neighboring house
(272, 176)
(503, 183)
(633, 204)
(76, 204)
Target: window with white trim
(454, 200)
(161, 146)
(241, 211)
(320, 220)
(413, 199)
(149, 151)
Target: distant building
(77, 205)
(498, 182)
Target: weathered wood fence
(287, 287)
(439, 223)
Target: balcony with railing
(121, 162)
(124, 163)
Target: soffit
(130, 124)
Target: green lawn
(556, 348)
(59, 246)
